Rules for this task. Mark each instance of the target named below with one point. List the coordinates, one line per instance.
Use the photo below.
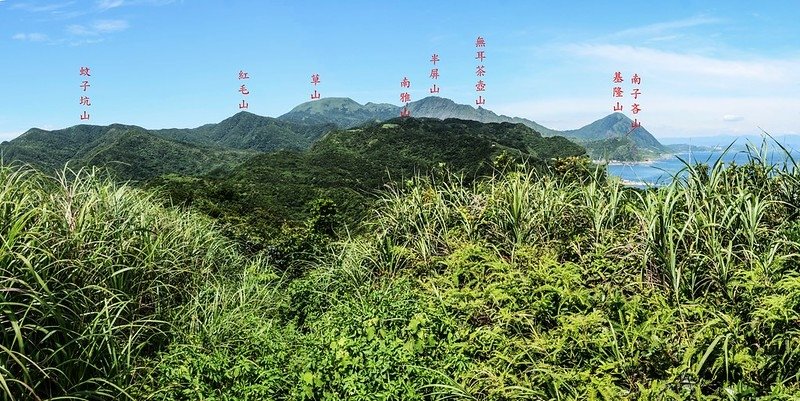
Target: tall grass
(90, 274)
(524, 285)
(719, 243)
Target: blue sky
(707, 68)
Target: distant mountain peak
(346, 113)
(341, 111)
(326, 104)
(243, 117)
(616, 126)
(613, 123)
(434, 100)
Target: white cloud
(156, 2)
(82, 42)
(79, 30)
(41, 8)
(670, 114)
(690, 65)
(108, 26)
(664, 38)
(109, 4)
(30, 37)
(98, 28)
(685, 94)
(659, 29)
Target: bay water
(662, 171)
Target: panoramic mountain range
(597, 137)
(140, 154)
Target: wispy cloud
(39, 7)
(687, 91)
(662, 30)
(30, 37)
(155, 2)
(103, 5)
(98, 28)
(66, 10)
(670, 114)
(51, 11)
(691, 65)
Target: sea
(662, 171)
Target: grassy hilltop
(526, 284)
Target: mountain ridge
(307, 122)
(143, 154)
(348, 166)
(430, 107)
(614, 138)
(347, 113)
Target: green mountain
(611, 137)
(131, 152)
(619, 148)
(343, 112)
(347, 113)
(51, 149)
(248, 131)
(441, 108)
(138, 154)
(348, 166)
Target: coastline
(665, 156)
(637, 184)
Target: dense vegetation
(522, 285)
(347, 113)
(248, 131)
(610, 135)
(130, 153)
(348, 167)
(620, 149)
(134, 153)
(91, 276)
(341, 112)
